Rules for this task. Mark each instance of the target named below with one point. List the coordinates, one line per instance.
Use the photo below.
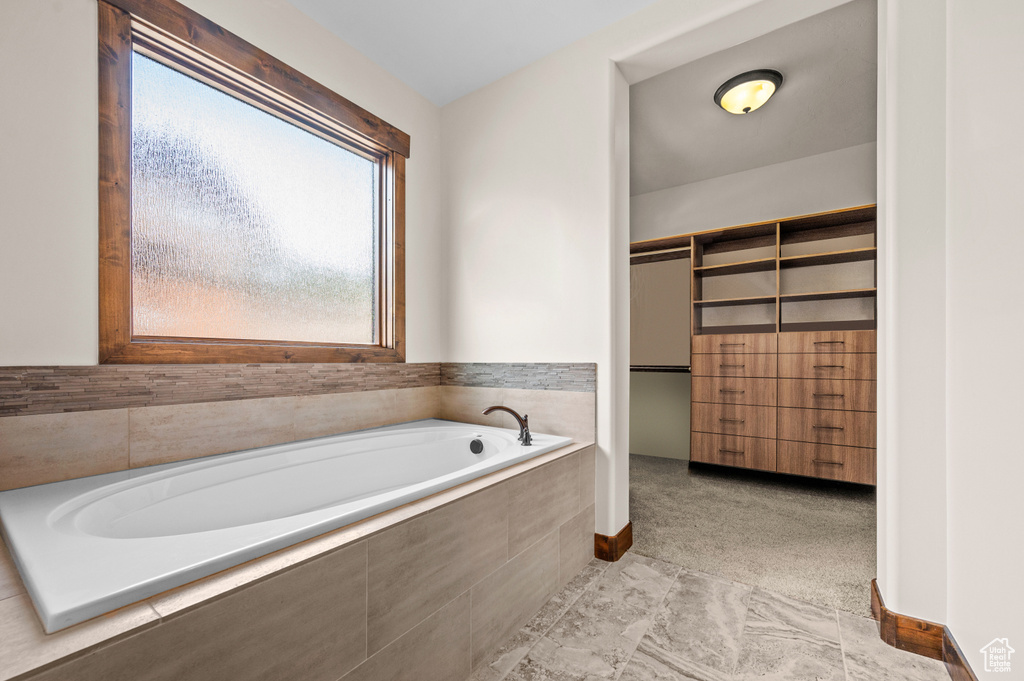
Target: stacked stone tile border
(26, 391)
(574, 377)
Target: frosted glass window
(245, 226)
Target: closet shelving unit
(824, 240)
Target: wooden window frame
(179, 35)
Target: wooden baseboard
(955, 660)
(614, 547)
(920, 636)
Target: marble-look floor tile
(637, 581)
(869, 658)
(701, 621)
(598, 634)
(775, 611)
(558, 604)
(789, 640)
(506, 657)
(653, 664)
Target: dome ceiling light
(748, 91)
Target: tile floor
(643, 619)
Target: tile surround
(420, 565)
(38, 449)
(225, 411)
(437, 645)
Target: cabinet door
(762, 391)
(742, 366)
(827, 341)
(733, 450)
(736, 344)
(734, 419)
(845, 366)
(826, 426)
(809, 393)
(850, 464)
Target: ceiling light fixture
(748, 91)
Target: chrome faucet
(523, 421)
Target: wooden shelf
(828, 295)
(743, 267)
(830, 258)
(732, 302)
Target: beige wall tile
(466, 404)
(10, 580)
(420, 565)
(186, 431)
(306, 623)
(576, 544)
(437, 649)
(413, 404)
(557, 412)
(588, 476)
(320, 415)
(506, 599)
(25, 646)
(542, 499)
(51, 447)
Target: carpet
(809, 539)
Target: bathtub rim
(44, 650)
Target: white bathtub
(88, 546)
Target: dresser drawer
(811, 393)
(850, 464)
(733, 450)
(827, 341)
(827, 366)
(853, 428)
(734, 419)
(761, 391)
(736, 343)
(746, 366)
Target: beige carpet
(808, 539)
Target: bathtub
(88, 546)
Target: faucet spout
(523, 421)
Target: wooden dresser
(801, 403)
(783, 345)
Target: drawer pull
(731, 451)
(830, 342)
(723, 390)
(830, 427)
(722, 345)
(731, 366)
(829, 395)
(733, 420)
(829, 463)
(829, 366)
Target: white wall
(984, 243)
(48, 168)
(535, 194)
(813, 184)
(912, 321)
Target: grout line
(653, 612)
(544, 633)
(842, 646)
(743, 629)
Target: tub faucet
(523, 421)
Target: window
(247, 213)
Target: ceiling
(445, 49)
(678, 135)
